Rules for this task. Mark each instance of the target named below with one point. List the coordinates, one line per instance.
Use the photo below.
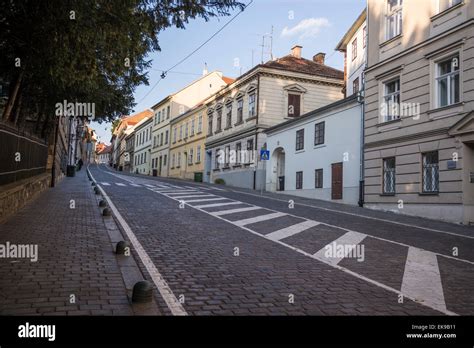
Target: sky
(316, 25)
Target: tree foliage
(87, 51)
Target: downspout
(256, 133)
(361, 99)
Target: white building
(269, 94)
(318, 155)
(142, 150)
(354, 47)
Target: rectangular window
(430, 172)
(229, 116)
(175, 134)
(178, 162)
(209, 126)
(294, 105)
(161, 139)
(252, 105)
(318, 178)
(389, 175)
(364, 37)
(198, 154)
(154, 141)
(191, 156)
(168, 111)
(240, 110)
(391, 100)
(355, 86)
(159, 116)
(238, 150)
(186, 130)
(219, 120)
(446, 4)
(250, 149)
(354, 49)
(217, 159)
(299, 180)
(192, 126)
(164, 160)
(227, 156)
(166, 137)
(448, 82)
(394, 19)
(200, 124)
(173, 160)
(300, 139)
(319, 129)
(181, 132)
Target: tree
(87, 51)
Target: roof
(303, 65)
(341, 46)
(133, 120)
(313, 113)
(106, 149)
(228, 80)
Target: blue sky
(317, 25)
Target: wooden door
(336, 181)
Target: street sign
(264, 155)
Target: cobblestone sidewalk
(76, 272)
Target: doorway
(336, 181)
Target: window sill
(387, 194)
(227, 128)
(448, 10)
(238, 123)
(299, 151)
(428, 193)
(217, 132)
(389, 41)
(319, 146)
(251, 118)
(216, 170)
(237, 166)
(226, 167)
(389, 125)
(452, 110)
(198, 162)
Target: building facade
(142, 148)
(175, 105)
(188, 137)
(317, 155)
(267, 95)
(419, 120)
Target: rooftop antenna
(267, 49)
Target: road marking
(258, 219)
(105, 184)
(198, 195)
(135, 185)
(291, 230)
(148, 185)
(180, 193)
(422, 280)
(203, 200)
(358, 215)
(120, 184)
(348, 241)
(166, 293)
(216, 205)
(231, 211)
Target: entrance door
(159, 166)
(336, 181)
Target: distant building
(269, 94)
(104, 155)
(142, 148)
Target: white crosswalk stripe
(105, 184)
(348, 242)
(204, 200)
(292, 230)
(199, 195)
(212, 205)
(135, 185)
(232, 211)
(258, 219)
(120, 184)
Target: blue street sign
(264, 155)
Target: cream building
(142, 149)
(268, 94)
(419, 120)
(188, 137)
(173, 106)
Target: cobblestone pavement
(76, 272)
(230, 251)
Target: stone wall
(14, 196)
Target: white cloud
(306, 28)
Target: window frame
(386, 95)
(319, 133)
(425, 166)
(252, 104)
(299, 180)
(397, 14)
(299, 143)
(449, 80)
(296, 107)
(318, 179)
(240, 110)
(354, 49)
(389, 171)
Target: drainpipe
(361, 100)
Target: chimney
(319, 58)
(296, 51)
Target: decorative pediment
(239, 95)
(250, 88)
(294, 87)
(463, 126)
(228, 100)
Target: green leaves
(90, 51)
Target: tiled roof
(303, 65)
(228, 80)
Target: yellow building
(188, 136)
